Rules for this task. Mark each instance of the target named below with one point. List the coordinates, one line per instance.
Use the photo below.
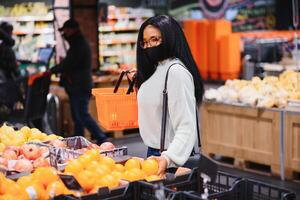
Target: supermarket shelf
(116, 53)
(28, 18)
(113, 29)
(128, 16)
(34, 32)
(116, 41)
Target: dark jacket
(9, 88)
(8, 62)
(76, 67)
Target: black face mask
(155, 54)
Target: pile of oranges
(91, 170)
(43, 184)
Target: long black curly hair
(174, 45)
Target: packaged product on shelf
(268, 92)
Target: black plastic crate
(151, 191)
(228, 187)
(121, 193)
(185, 182)
(235, 192)
(224, 182)
(225, 185)
(256, 190)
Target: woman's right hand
(132, 73)
(162, 164)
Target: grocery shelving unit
(118, 36)
(33, 28)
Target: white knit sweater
(181, 117)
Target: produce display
(11, 137)
(25, 9)
(33, 28)
(268, 92)
(25, 161)
(94, 171)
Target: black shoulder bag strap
(205, 165)
(165, 111)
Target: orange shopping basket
(117, 107)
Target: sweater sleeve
(182, 113)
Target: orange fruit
(102, 170)
(150, 167)
(49, 172)
(86, 179)
(94, 154)
(7, 197)
(118, 175)
(152, 178)
(108, 162)
(108, 181)
(56, 188)
(132, 163)
(26, 181)
(119, 168)
(93, 166)
(12, 188)
(6, 184)
(74, 167)
(37, 191)
(134, 174)
(85, 159)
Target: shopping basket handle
(120, 80)
(131, 85)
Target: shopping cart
(34, 103)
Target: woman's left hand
(162, 164)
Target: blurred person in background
(161, 44)
(76, 78)
(9, 91)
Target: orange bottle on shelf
(230, 56)
(190, 28)
(202, 48)
(216, 29)
(190, 31)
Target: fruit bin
(229, 187)
(225, 185)
(13, 168)
(59, 156)
(256, 190)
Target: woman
(161, 43)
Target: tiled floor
(137, 148)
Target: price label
(70, 182)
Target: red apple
(10, 155)
(107, 146)
(30, 151)
(57, 143)
(41, 162)
(23, 165)
(3, 161)
(13, 148)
